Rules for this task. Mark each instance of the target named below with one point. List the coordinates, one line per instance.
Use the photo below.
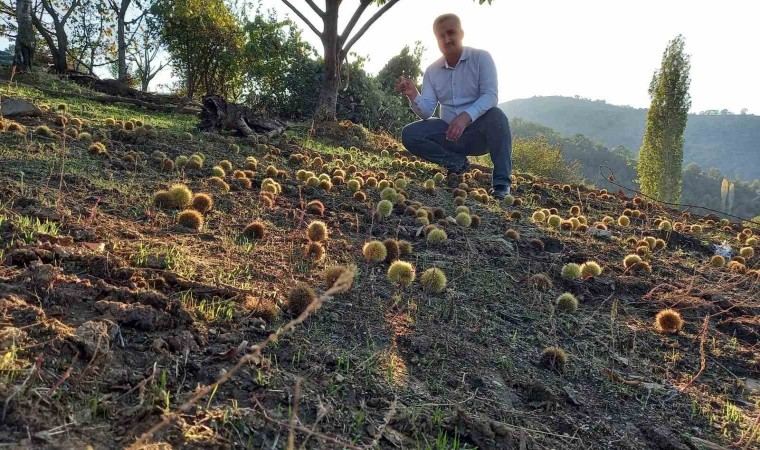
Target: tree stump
(217, 115)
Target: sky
(598, 49)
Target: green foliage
(661, 154)
(205, 42)
(406, 63)
(539, 157)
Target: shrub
(433, 280)
(567, 303)
(254, 230)
(590, 269)
(300, 297)
(571, 271)
(436, 236)
(668, 321)
(191, 219)
(553, 358)
(375, 251)
(180, 196)
(202, 203)
(401, 273)
(317, 231)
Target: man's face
(449, 36)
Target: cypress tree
(661, 154)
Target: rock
(11, 107)
(95, 337)
(136, 315)
(11, 336)
(601, 234)
(41, 276)
(183, 341)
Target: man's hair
(444, 17)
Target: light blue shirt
(471, 86)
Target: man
(464, 82)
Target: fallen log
(217, 115)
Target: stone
(11, 107)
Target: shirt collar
(465, 55)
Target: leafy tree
(205, 42)
(661, 154)
(50, 18)
(91, 28)
(122, 9)
(406, 63)
(275, 54)
(336, 46)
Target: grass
(460, 350)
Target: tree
(661, 154)
(89, 36)
(121, 9)
(337, 46)
(24, 49)
(144, 53)
(57, 40)
(406, 63)
(205, 42)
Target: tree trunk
(218, 115)
(24, 51)
(121, 40)
(328, 94)
(59, 58)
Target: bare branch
(299, 14)
(315, 8)
(72, 8)
(355, 18)
(369, 23)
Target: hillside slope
(728, 143)
(126, 321)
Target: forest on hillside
(713, 139)
(700, 187)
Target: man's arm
(489, 87)
(424, 104)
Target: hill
(730, 143)
(259, 319)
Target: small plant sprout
(401, 273)
(433, 280)
(567, 303)
(300, 297)
(553, 358)
(191, 219)
(668, 321)
(571, 271)
(317, 231)
(590, 269)
(375, 251)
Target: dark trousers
(489, 134)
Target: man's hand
(406, 87)
(457, 126)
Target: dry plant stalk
(341, 285)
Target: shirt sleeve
(488, 84)
(425, 103)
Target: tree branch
(74, 6)
(355, 18)
(369, 23)
(315, 8)
(299, 14)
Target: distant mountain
(730, 143)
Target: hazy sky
(600, 49)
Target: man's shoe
(499, 192)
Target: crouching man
(464, 82)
